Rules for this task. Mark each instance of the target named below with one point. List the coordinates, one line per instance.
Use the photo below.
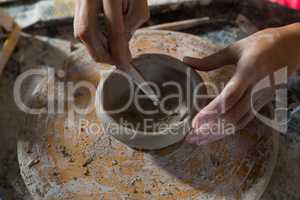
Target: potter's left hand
(255, 57)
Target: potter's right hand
(109, 44)
(255, 57)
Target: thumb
(224, 57)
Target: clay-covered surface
(59, 162)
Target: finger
(194, 138)
(97, 49)
(226, 56)
(77, 6)
(125, 6)
(201, 138)
(239, 110)
(87, 29)
(201, 142)
(118, 42)
(78, 17)
(230, 95)
(137, 15)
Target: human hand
(255, 58)
(108, 43)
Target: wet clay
(175, 86)
(143, 115)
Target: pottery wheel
(59, 162)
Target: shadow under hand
(228, 166)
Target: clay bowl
(133, 119)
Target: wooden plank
(10, 42)
(181, 25)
